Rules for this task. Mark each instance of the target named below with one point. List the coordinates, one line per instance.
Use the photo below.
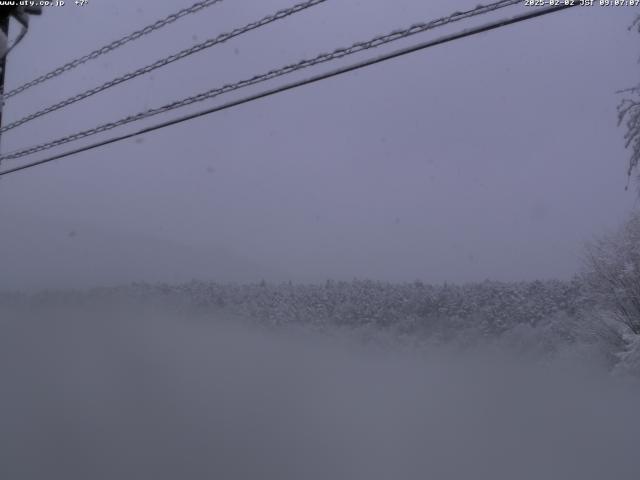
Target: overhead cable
(166, 61)
(209, 94)
(317, 78)
(196, 7)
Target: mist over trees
(591, 318)
(594, 316)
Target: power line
(279, 15)
(322, 58)
(196, 7)
(314, 79)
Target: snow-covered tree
(629, 116)
(613, 270)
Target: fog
(382, 275)
(130, 392)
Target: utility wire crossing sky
(338, 53)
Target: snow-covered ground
(130, 393)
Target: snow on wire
(196, 7)
(321, 58)
(223, 37)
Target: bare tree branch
(629, 116)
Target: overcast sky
(495, 156)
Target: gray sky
(495, 156)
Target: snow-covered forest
(542, 315)
(357, 379)
(593, 317)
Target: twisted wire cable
(321, 58)
(196, 7)
(165, 61)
